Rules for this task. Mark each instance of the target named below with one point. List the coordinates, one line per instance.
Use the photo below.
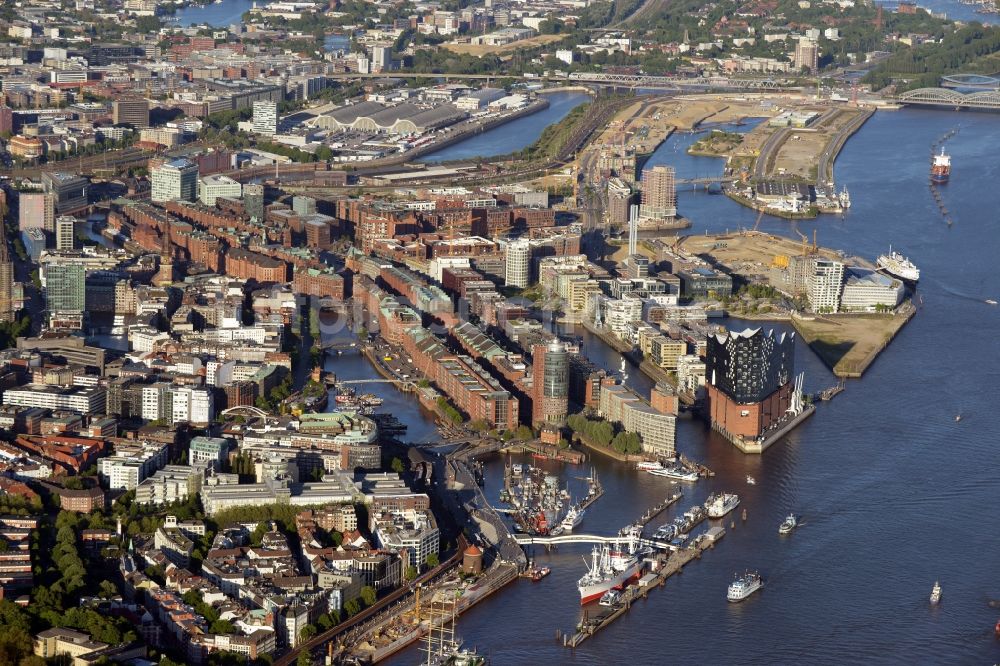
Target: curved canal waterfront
(512, 136)
(893, 492)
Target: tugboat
(936, 593)
(744, 586)
(789, 524)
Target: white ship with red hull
(612, 568)
(941, 168)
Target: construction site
(847, 343)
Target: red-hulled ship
(941, 167)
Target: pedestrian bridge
(530, 540)
(987, 100)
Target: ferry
(573, 518)
(899, 266)
(941, 168)
(609, 570)
(647, 466)
(674, 472)
(789, 524)
(936, 593)
(743, 587)
(721, 504)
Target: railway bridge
(984, 100)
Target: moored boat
(611, 567)
(674, 471)
(718, 505)
(898, 266)
(573, 518)
(610, 598)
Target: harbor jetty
(657, 509)
(665, 565)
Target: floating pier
(654, 511)
(668, 566)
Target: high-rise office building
(550, 383)
(134, 112)
(65, 232)
(36, 210)
(381, 58)
(518, 264)
(253, 201)
(825, 285)
(212, 187)
(6, 119)
(659, 193)
(68, 190)
(176, 180)
(265, 117)
(65, 287)
(749, 383)
(303, 205)
(619, 199)
(806, 55)
(6, 279)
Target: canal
(514, 135)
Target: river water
(511, 136)
(893, 492)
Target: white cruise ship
(899, 266)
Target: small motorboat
(990, 301)
(958, 417)
(936, 593)
(751, 481)
(610, 598)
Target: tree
(352, 607)
(15, 644)
(303, 659)
(258, 533)
(410, 573)
(368, 595)
(397, 466)
(432, 560)
(307, 632)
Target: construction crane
(760, 215)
